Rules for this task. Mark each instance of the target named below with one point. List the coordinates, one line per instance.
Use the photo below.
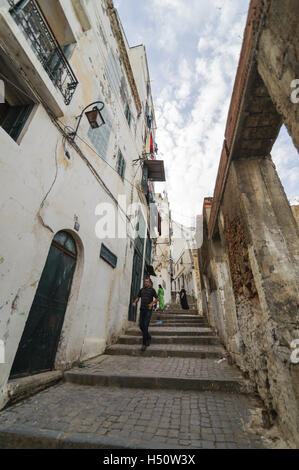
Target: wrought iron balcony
(30, 19)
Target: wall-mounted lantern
(94, 117)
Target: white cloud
(285, 157)
(193, 49)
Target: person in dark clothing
(183, 299)
(146, 294)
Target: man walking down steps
(147, 294)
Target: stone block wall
(252, 267)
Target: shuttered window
(108, 256)
(121, 165)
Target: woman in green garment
(161, 297)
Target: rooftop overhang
(156, 171)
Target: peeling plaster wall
(278, 59)
(295, 210)
(251, 214)
(161, 250)
(97, 310)
(253, 272)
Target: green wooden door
(37, 349)
(136, 282)
(137, 264)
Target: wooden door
(37, 349)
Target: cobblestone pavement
(168, 347)
(126, 398)
(173, 330)
(138, 417)
(168, 367)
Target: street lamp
(94, 117)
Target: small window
(13, 118)
(128, 114)
(108, 256)
(121, 165)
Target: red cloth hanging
(151, 144)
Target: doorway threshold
(24, 387)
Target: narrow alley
(180, 393)
(149, 182)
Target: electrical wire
(79, 137)
(65, 138)
(55, 178)
(70, 129)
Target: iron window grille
(30, 19)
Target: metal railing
(30, 19)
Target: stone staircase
(178, 337)
(180, 393)
(173, 335)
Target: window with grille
(121, 165)
(13, 118)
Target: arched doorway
(37, 349)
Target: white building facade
(184, 263)
(68, 240)
(161, 248)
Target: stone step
(178, 312)
(178, 317)
(151, 373)
(196, 340)
(151, 382)
(167, 350)
(180, 320)
(179, 324)
(75, 416)
(173, 331)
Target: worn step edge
(195, 340)
(24, 387)
(202, 354)
(186, 322)
(154, 382)
(178, 317)
(190, 312)
(178, 310)
(180, 320)
(160, 332)
(25, 437)
(181, 323)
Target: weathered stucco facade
(50, 182)
(161, 252)
(185, 269)
(249, 260)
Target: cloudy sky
(193, 49)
